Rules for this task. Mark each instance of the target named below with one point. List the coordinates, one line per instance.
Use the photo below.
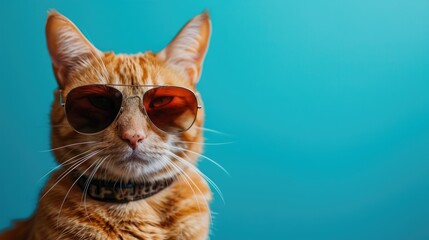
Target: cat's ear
(187, 50)
(68, 47)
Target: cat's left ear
(187, 50)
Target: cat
(126, 168)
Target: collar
(118, 192)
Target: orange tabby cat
(126, 131)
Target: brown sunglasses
(90, 109)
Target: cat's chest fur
(173, 213)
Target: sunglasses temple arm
(61, 97)
(197, 94)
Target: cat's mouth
(139, 163)
(130, 155)
(141, 157)
(136, 157)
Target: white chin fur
(147, 162)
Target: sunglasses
(90, 109)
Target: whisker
(66, 162)
(84, 159)
(213, 131)
(71, 187)
(192, 167)
(201, 143)
(88, 181)
(188, 181)
(203, 156)
(70, 145)
(107, 166)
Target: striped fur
(179, 212)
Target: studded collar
(118, 192)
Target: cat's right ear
(68, 47)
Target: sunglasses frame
(63, 104)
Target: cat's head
(132, 147)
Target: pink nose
(133, 137)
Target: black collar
(118, 192)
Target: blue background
(326, 102)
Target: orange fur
(180, 211)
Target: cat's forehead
(127, 69)
(140, 69)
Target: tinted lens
(92, 108)
(171, 109)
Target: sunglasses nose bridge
(133, 96)
(133, 101)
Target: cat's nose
(133, 137)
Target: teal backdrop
(326, 104)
